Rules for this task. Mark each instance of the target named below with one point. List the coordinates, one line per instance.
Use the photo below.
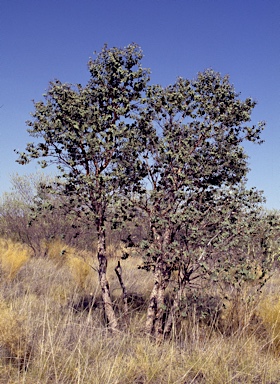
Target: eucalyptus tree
(91, 133)
(195, 164)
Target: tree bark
(104, 284)
(118, 271)
(153, 304)
(161, 310)
(157, 308)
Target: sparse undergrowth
(52, 329)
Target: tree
(91, 133)
(196, 167)
(172, 156)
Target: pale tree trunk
(104, 284)
(156, 308)
(161, 308)
(153, 304)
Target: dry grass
(13, 339)
(269, 312)
(52, 330)
(12, 257)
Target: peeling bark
(118, 271)
(153, 305)
(157, 308)
(161, 310)
(104, 284)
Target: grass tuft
(269, 313)
(13, 339)
(12, 257)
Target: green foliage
(196, 168)
(91, 132)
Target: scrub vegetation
(146, 259)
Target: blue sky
(44, 40)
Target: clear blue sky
(44, 40)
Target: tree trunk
(161, 310)
(157, 308)
(118, 271)
(153, 304)
(104, 284)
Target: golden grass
(57, 250)
(12, 257)
(13, 339)
(269, 312)
(48, 336)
